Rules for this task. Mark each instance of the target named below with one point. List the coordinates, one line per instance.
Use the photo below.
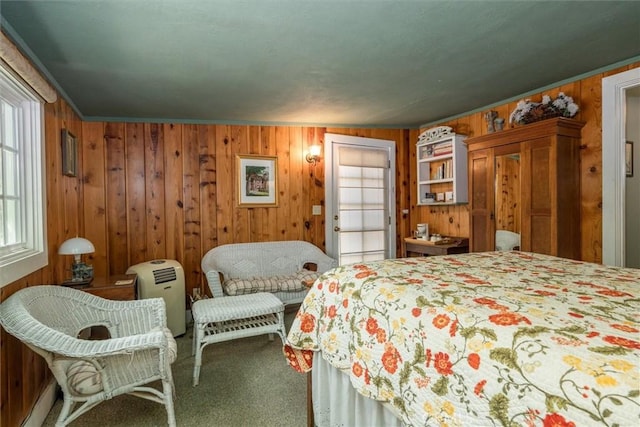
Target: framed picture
(69, 154)
(628, 158)
(257, 181)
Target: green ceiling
(371, 63)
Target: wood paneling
(24, 374)
(146, 191)
(136, 192)
(94, 208)
(116, 194)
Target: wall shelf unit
(441, 169)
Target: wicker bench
(275, 267)
(228, 318)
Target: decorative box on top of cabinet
(527, 180)
(442, 170)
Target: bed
(493, 338)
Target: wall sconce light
(81, 273)
(314, 154)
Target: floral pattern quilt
(481, 339)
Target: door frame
(390, 146)
(613, 175)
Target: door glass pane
(361, 198)
(359, 242)
(362, 213)
(361, 157)
(362, 219)
(352, 176)
(354, 258)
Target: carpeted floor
(243, 383)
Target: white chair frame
(49, 320)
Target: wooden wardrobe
(527, 180)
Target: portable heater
(164, 278)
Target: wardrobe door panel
(540, 198)
(540, 235)
(481, 193)
(541, 174)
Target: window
(22, 213)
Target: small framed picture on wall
(628, 158)
(69, 153)
(257, 181)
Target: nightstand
(460, 245)
(116, 287)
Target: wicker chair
(50, 320)
(507, 240)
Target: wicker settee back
(264, 259)
(260, 260)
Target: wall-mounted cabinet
(442, 170)
(526, 182)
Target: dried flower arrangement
(528, 112)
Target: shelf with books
(442, 170)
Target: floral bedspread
(481, 339)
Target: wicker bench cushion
(289, 283)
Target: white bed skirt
(337, 403)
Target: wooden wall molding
(11, 56)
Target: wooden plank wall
(454, 220)
(155, 191)
(147, 191)
(24, 374)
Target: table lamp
(81, 273)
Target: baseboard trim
(43, 406)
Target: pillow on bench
(287, 283)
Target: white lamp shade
(76, 246)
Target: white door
(360, 197)
(614, 181)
